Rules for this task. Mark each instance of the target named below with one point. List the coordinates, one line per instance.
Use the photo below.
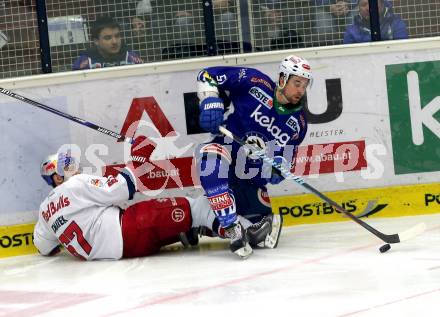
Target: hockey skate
(239, 243)
(265, 233)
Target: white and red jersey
(81, 215)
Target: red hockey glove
(139, 163)
(141, 150)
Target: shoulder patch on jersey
(259, 80)
(292, 123)
(261, 96)
(205, 77)
(96, 182)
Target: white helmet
(48, 167)
(67, 165)
(294, 65)
(61, 163)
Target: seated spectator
(139, 22)
(331, 18)
(226, 27)
(138, 35)
(186, 43)
(108, 49)
(280, 33)
(392, 27)
(182, 46)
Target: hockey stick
(67, 116)
(285, 172)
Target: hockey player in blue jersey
(260, 111)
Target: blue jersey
(253, 114)
(92, 59)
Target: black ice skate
(266, 232)
(239, 244)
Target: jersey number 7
(69, 234)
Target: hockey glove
(139, 163)
(273, 176)
(211, 114)
(141, 150)
(276, 177)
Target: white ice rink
(317, 270)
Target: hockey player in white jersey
(80, 213)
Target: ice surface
(322, 270)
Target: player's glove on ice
(211, 114)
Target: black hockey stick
(285, 172)
(67, 116)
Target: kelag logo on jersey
(262, 97)
(268, 123)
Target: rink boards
(393, 201)
(16, 240)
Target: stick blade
(412, 232)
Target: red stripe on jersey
(217, 149)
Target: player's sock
(213, 178)
(213, 168)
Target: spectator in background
(138, 22)
(226, 27)
(139, 30)
(108, 49)
(281, 35)
(331, 18)
(183, 32)
(392, 27)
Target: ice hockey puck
(384, 248)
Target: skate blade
(244, 252)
